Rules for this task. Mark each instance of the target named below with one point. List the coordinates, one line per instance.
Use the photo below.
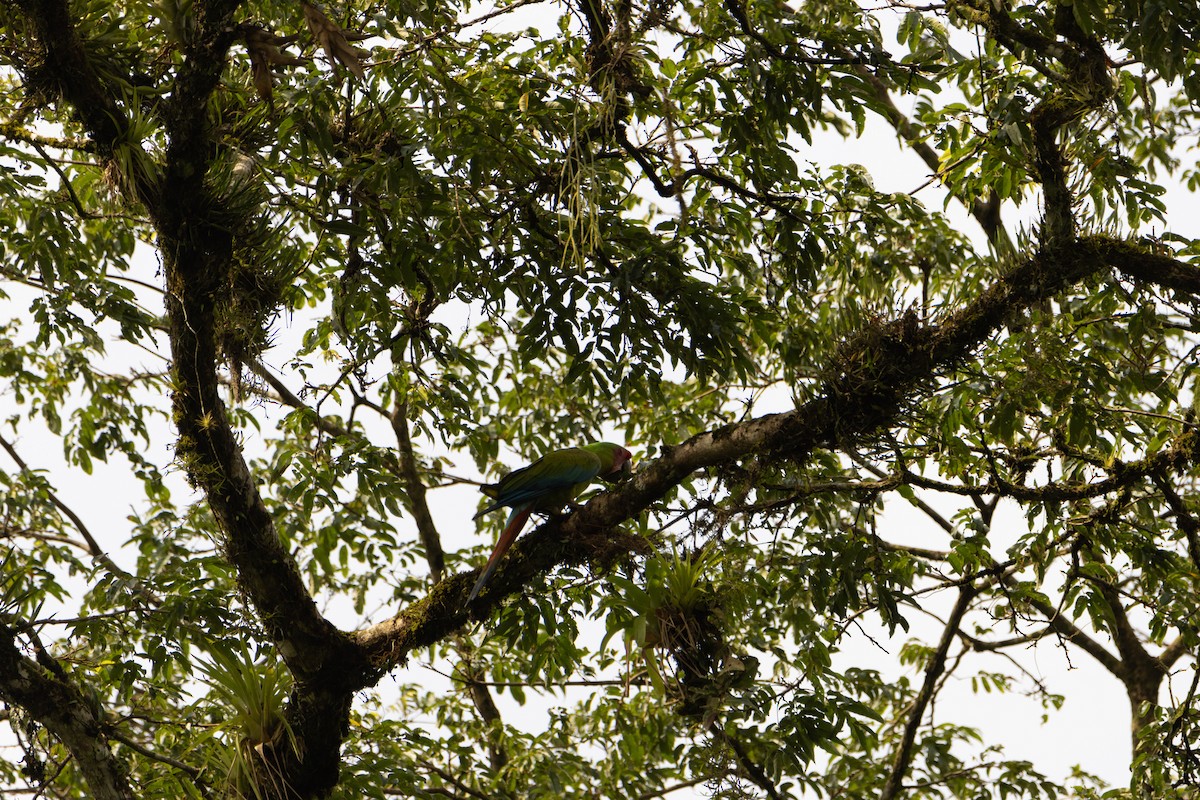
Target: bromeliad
(546, 485)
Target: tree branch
(69, 70)
(1085, 86)
(1184, 519)
(986, 212)
(485, 706)
(193, 773)
(894, 361)
(934, 515)
(1020, 40)
(1143, 673)
(1073, 634)
(675, 787)
(738, 12)
(289, 398)
(93, 547)
(197, 252)
(20, 134)
(410, 475)
(937, 665)
(71, 716)
(1179, 457)
(749, 766)
(1177, 649)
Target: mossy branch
(878, 373)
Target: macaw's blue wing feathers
(547, 484)
(544, 479)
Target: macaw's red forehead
(620, 455)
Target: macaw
(548, 484)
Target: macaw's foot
(559, 513)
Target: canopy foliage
(293, 273)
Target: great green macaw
(548, 484)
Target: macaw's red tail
(516, 521)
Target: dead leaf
(334, 41)
(265, 50)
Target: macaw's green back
(548, 484)
(556, 478)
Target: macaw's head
(617, 460)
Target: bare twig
(93, 546)
(193, 773)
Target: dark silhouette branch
(985, 211)
(750, 768)
(738, 12)
(937, 665)
(917, 552)
(64, 180)
(1184, 519)
(986, 646)
(782, 204)
(485, 706)
(674, 787)
(93, 546)
(449, 778)
(194, 774)
(934, 515)
(1179, 457)
(410, 475)
(1083, 85)
(287, 397)
(1074, 635)
(1177, 649)
(1142, 673)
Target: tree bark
(72, 717)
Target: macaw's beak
(622, 474)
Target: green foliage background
(413, 242)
